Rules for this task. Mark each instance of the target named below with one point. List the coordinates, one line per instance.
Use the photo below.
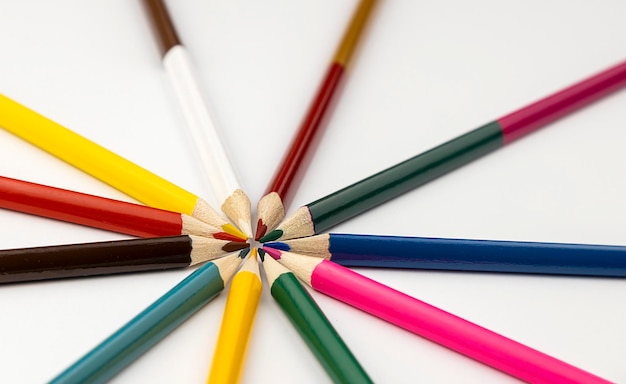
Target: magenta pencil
(432, 323)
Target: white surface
(428, 71)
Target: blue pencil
(154, 323)
(462, 255)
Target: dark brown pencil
(110, 257)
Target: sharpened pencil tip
(227, 236)
(260, 230)
(278, 245)
(275, 253)
(274, 235)
(244, 253)
(233, 246)
(229, 228)
(262, 254)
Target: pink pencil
(431, 322)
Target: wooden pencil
(99, 162)
(312, 325)
(110, 257)
(462, 254)
(354, 199)
(239, 313)
(278, 195)
(432, 323)
(100, 212)
(209, 146)
(154, 323)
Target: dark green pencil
(354, 199)
(313, 326)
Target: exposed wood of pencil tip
(273, 270)
(318, 246)
(299, 224)
(193, 226)
(163, 25)
(271, 211)
(238, 209)
(351, 36)
(205, 248)
(228, 265)
(204, 212)
(301, 265)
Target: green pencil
(312, 324)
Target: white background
(426, 72)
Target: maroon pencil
(271, 208)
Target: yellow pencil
(241, 305)
(105, 165)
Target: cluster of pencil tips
(177, 229)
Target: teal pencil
(154, 323)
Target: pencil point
(244, 253)
(274, 235)
(274, 253)
(229, 228)
(227, 236)
(260, 230)
(233, 246)
(278, 245)
(262, 254)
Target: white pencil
(209, 146)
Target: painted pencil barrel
(301, 144)
(89, 210)
(146, 329)
(94, 259)
(478, 255)
(559, 104)
(94, 159)
(400, 178)
(445, 328)
(317, 332)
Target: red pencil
(271, 208)
(100, 212)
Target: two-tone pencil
(100, 212)
(319, 215)
(312, 325)
(101, 163)
(154, 323)
(271, 208)
(209, 146)
(110, 257)
(239, 314)
(462, 254)
(432, 323)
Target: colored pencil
(110, 257)
(312, 325)
(354, 199)
(152, 324)
(462, 254)
(430, 322)
(100, 212)
(105, 165)
(209, 146)
(278, 195)
(239, 313)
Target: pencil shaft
(93, 259)
(477, 255)
(292, 165)
(232, 343)
(146, 329)
(316, 330)
(94, 159)
(444, 328)
(391, 182)
(89, 210)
